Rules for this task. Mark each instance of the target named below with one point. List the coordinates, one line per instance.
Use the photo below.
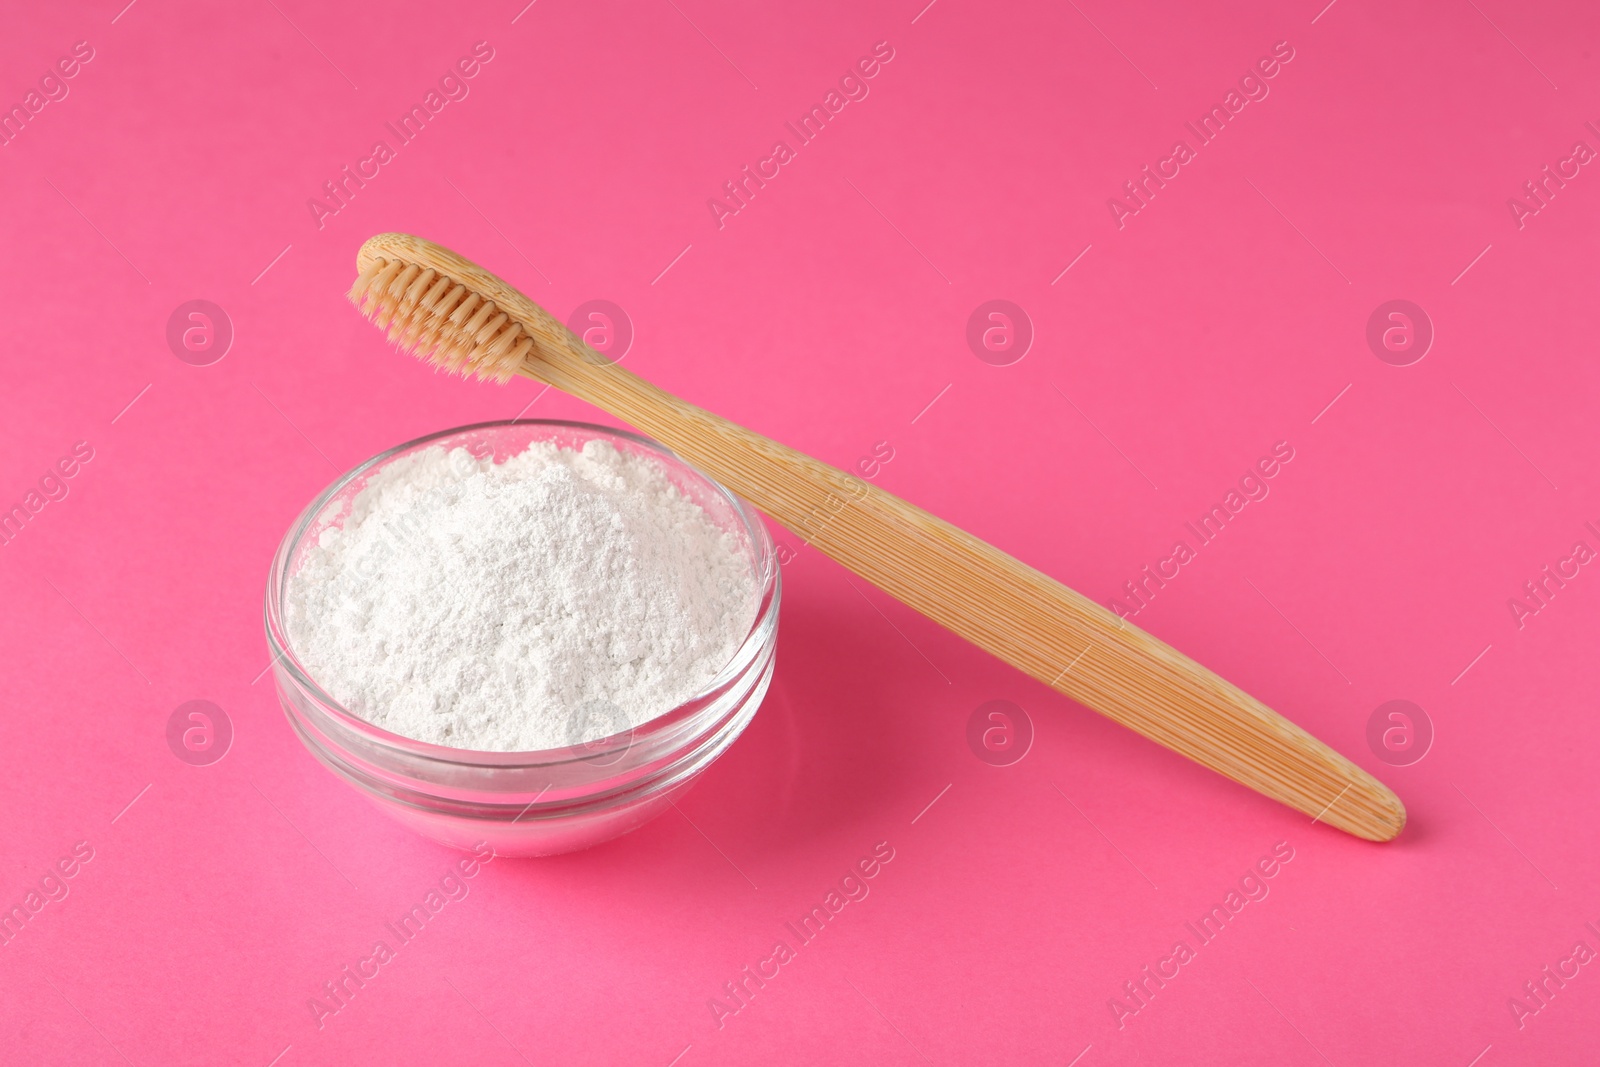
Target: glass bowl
(530, 803)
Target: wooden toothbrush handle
(1014, 612)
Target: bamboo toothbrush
(444, 307)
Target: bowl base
(530, 837)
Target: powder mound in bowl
(560, 596)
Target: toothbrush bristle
(436, 318)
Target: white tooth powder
(558, 597)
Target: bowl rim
(762, 629)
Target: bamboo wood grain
(443, 306)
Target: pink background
(1226, 316)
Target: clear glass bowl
(530, 803)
